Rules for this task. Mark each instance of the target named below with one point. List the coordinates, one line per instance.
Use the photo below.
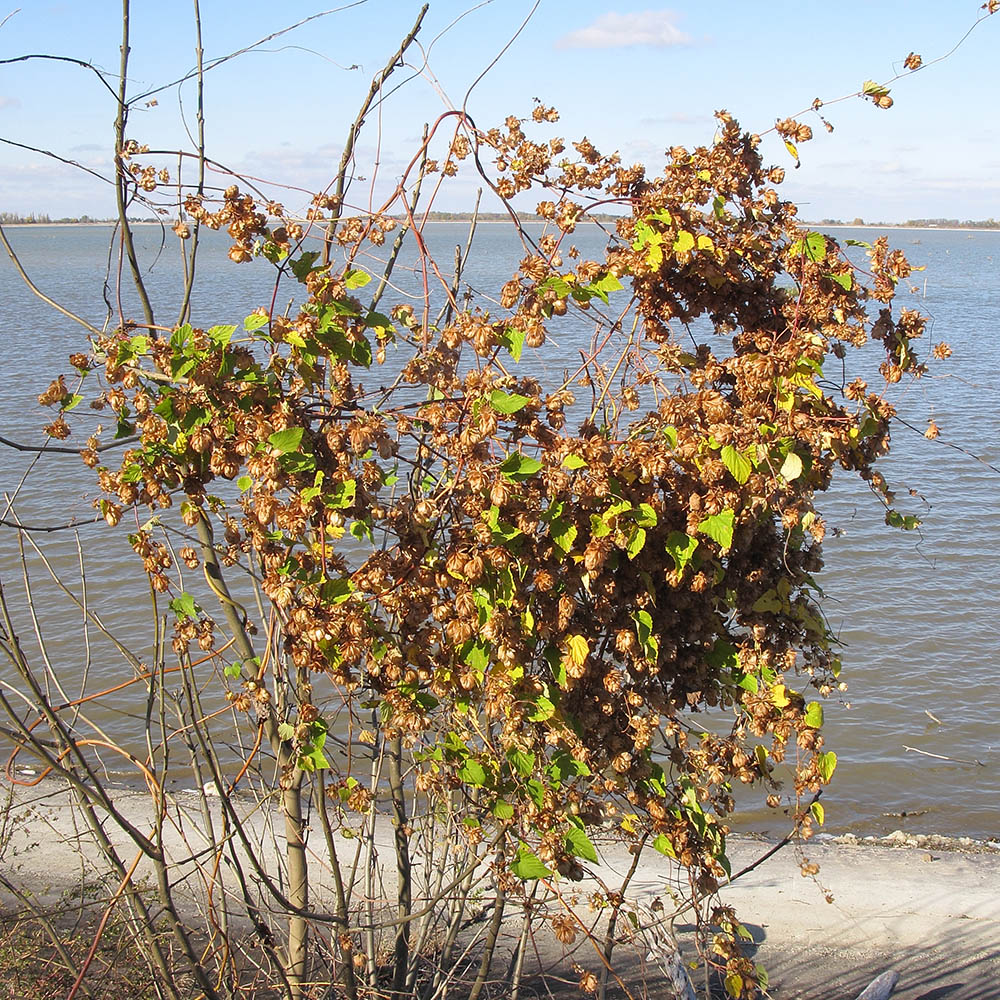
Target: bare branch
(247, 48)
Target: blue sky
(633, 77)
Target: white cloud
(615, 31)
(9, 102)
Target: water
(919, 614)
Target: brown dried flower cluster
(539, 580)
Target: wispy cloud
(615, 31)
(9, 102)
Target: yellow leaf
(684, 241)
(577, 649)
(705, 243)
(790, 146)
(791, 468)
(778, 696)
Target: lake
(919, 612)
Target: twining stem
(378, 81)
(403, 867)
(122, 178)
(191, 257)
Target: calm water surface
(919, 614)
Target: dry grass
(31, 967)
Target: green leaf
(244, 483)
(723, 656)
(296, 462)
(536, 791)
(341, 495)
(637, 539)
(184, 607)
(813, 715)
(518, 467)
(337, 591)
(740, 467)
(896, 520)
(768, 602)
(181, 336)
(503, 811)
(501, 529)
(681, 548)
(285, 730)
(719, 527)
(563, 533)
(544, 709)
(314, 760)
(255, 321)
(564, 766)
(643, 624)
(791, 468)
(513, 340)
(379, 321)
(303, 264)
(359, 529)
(813, 247)
(286, 441)
(574, 462)
(528, 865)
(819, 814)
(475, 654)
(664, 846)
(504, 402)
(645, 516)
(221, 335)
(71, 402)
(361, 352)
(233, 670)
(522, 762)
(684, 242)
(598, 526)
(846, 280)
(579, 844)
(826, 764)
(555, 661)
(356, 279)
(557, 284)
(602, 286)
(472, 773)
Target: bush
(485, 600)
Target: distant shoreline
(502, 221)
(913, 229)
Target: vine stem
(122, 176)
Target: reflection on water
(919, 614)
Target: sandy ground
(927, 907)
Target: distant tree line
(954, 223)
(44, 219)
(918, 223)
